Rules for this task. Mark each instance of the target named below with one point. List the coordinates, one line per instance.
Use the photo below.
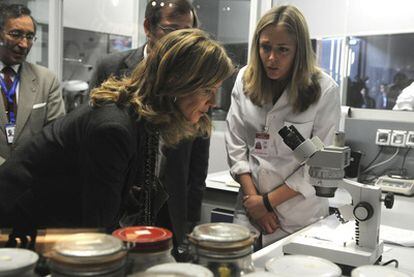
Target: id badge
(261, 144)
(10, 129)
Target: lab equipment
(326, 171)
(396, 184)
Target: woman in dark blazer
(98, 164)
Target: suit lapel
(28, 87)
(3, 115)
(132, 60)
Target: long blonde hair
(303, 85)
(182, 63)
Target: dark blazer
(40, 102)
(186, 164)
(75, 172)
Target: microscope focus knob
(389, 200)
(363, 211)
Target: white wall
(327, 18)
(218, 155)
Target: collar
(145, 51)
(15, 67)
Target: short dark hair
(14, 11)
(154, 9)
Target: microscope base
(348, 254)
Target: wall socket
(396, 138)
(410, 139)
(383, 137)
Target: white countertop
(222, 180)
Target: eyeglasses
(19, 35)
(167, 29)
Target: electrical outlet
(410, 139)
(398, 138)
(383, 137)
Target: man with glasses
(30, 94)
(185, 168)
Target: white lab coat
(245, 119)
(405, 101)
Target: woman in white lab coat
(280, 86)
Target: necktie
(8, 73)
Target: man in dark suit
(186, 165)
(382, 98)
(31, 97)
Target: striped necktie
(8, 73)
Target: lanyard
(9, 95)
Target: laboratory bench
(221, 192)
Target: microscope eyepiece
(291, 136)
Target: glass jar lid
(220, 232)
(15, 261)
(222, 237)
(378, 271)
(145, 237)
(302, 265)
(186, 269)
(260, 274)
(88, 245)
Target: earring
(174, 99)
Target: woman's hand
(268, 223)
(254, 206)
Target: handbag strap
(150, 179)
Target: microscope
(326, 172)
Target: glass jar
(17, 262)
(224, 248)
(88, 254)
(147, 246)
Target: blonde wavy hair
(303, 85)
(182, 63)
